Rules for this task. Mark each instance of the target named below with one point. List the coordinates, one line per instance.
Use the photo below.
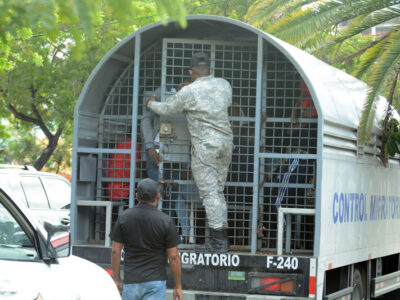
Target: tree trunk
(52, 138)
(46, 154)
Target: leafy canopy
(333, 30)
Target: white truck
(312, 214)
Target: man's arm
(175, 104)
(116, 263)
(175, 266)
(146, 128)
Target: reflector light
(311, 289)
(286, 286)
(268, 280)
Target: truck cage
(286, 156)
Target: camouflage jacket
(205, 103)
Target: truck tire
(359, 286)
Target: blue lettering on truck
(349, 207)
(383, 208)
(353, 207)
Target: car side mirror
(58, 237)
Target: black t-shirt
(146, 233)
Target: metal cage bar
(135, 101)
(256, 175)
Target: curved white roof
(338, 96)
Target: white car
(31, 268)
(47, 195)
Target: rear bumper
(246, 276)
(191, 295)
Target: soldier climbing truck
(312, 214)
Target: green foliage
(386, 66)
(317, 27)
(22, 146)
(4, 138)
(23, 150)
(268, 13)
(235, 9)
(20, 18)
(4, 134)
(392, 137)
(42, 83)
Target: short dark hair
(147, 190)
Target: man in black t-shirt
(149, 237)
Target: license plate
(282, 263)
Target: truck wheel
(359, 292)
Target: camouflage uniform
(205, 103)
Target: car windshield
(14, 243)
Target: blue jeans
(176, 203)
(151, 290)
(152, 170)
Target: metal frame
(342, 294)
(134, 117)
(281, 214)
(256, 176)
(385, 284)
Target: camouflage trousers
(210, 164)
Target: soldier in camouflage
(205, 104)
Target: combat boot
(218, 243)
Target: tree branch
(56, 51)
(22, 116)
(37, 121)
(46, 154)
(40, 123)
(33, 91)
(52, 138)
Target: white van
(47, 195)
(31, 268)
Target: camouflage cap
(200, 59)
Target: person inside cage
(302, 129)
(119, 167)
(291, 172)
(304, 107)
(174, 196)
